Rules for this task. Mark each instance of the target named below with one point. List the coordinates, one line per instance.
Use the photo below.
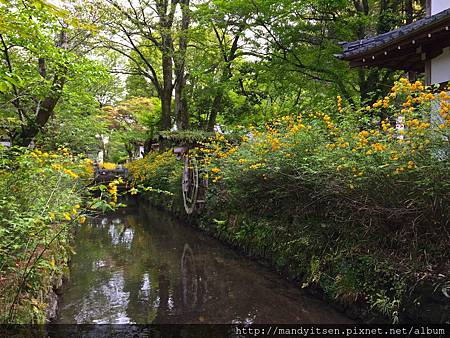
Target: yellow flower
(339, 103)
(52, 216)
(275, 144)
(67, 216)
(378, 147)
(443, 95)
(417, 86)
(364, 133)
(424, 125)
(256, 166)
(377, 104)
(109, 166)
(413, 122)
(70, 173)
(82, 220)
(215, 170)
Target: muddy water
(141, 266)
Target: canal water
(141, 266)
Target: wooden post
(428, 72)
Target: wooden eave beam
(430, 43)
(436, 33)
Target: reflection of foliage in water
(168, 273)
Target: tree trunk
(166, 108)
(217, 104)
(166, 90)
(181, 109)
(228, 57)
(166, 22)
(44, 112)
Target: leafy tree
(145, 32)
(228, 22)
(131, 123)
(294, 43)
(40, 53)
(78, 119)
(138, 86)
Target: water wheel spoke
(190, 184)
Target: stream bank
(426, 302)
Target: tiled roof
(361, 47)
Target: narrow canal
(141, 266)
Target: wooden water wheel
(190, 184)
(193, 185)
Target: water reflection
(120, 233)
(142, 267)
(112, 293)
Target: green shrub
(39, 201)
(158, 175)
(357, 207)
(339, 200)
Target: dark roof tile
(360, 47)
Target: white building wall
(439, 5)
(440, 67)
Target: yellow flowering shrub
(354, 201)
(157, 172)
(108, 166)
(346, 159)
(39, 204)
(376, 180)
